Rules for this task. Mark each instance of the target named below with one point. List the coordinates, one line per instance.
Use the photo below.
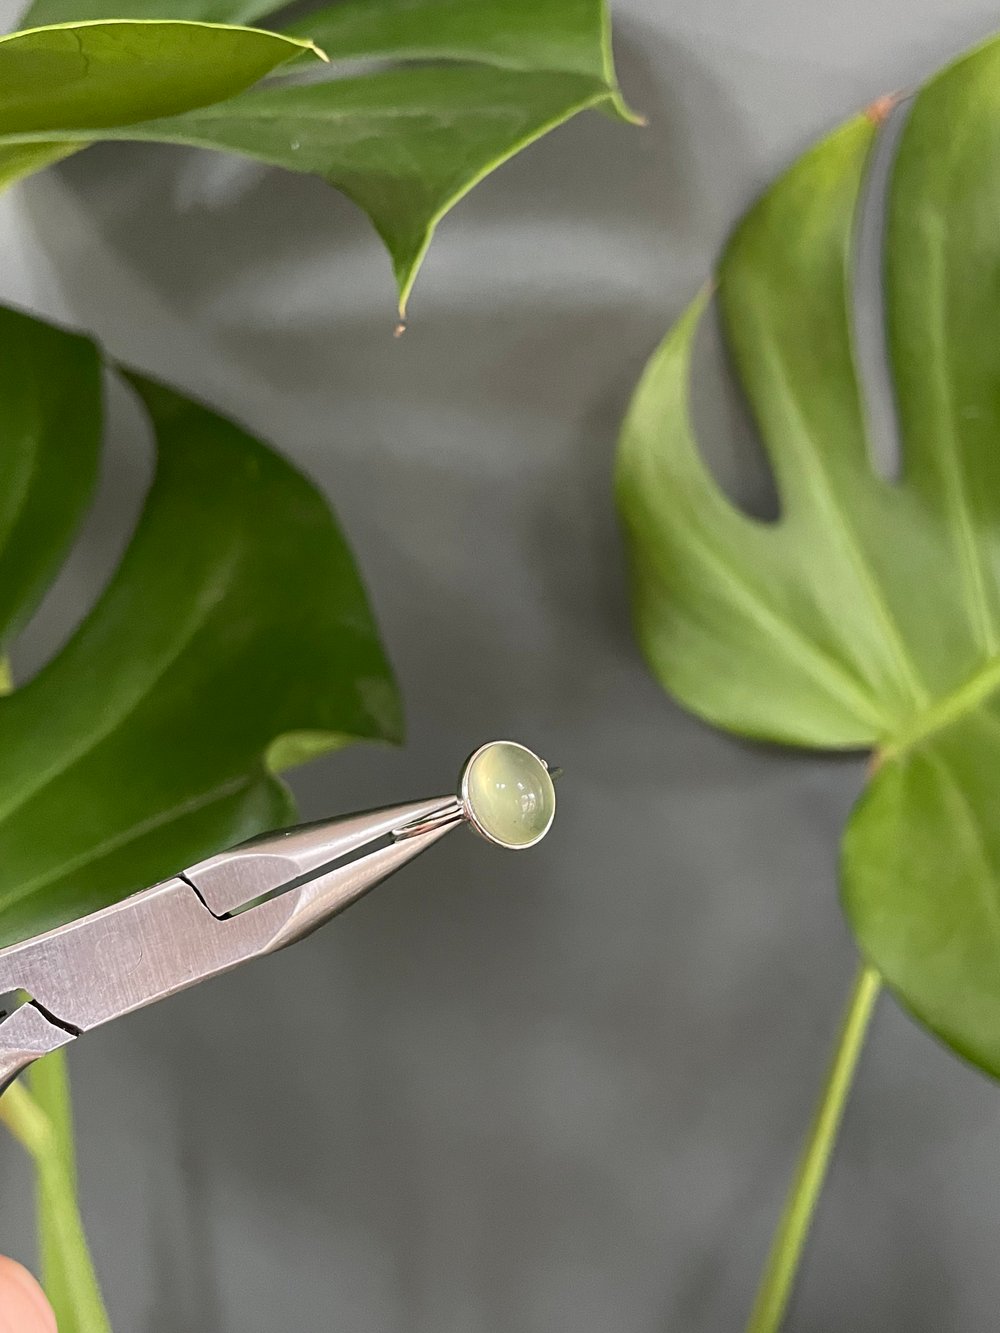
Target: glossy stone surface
(509, 794)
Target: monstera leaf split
(234, 639)
(868, 613)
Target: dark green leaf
(405, 145)
(548, 36)
(869, 613)
(44, 12)
(110, 73)
(99, 75)
(408, 143)
(234, 636)
(45, 483)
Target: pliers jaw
(274, 863)
(25, 1036)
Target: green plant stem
(48, 1083)
(789, 1239)
(82, 1305)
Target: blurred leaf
(44, 12)
(17, 160)
(50, 387)
(235, 619)
(544, 36)
(572, 36)
(869, 613)
(405, 143)
(94, 76)
(113, 72)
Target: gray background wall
(560, 1094)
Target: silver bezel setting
(469, 813)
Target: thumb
(23, 1307)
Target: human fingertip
(23, 1307)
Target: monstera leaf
(234, 638)
(868, 614)
(474, 82)
(105, 74)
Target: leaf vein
(73, 754)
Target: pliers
(246, 902)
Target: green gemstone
(509, 794)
